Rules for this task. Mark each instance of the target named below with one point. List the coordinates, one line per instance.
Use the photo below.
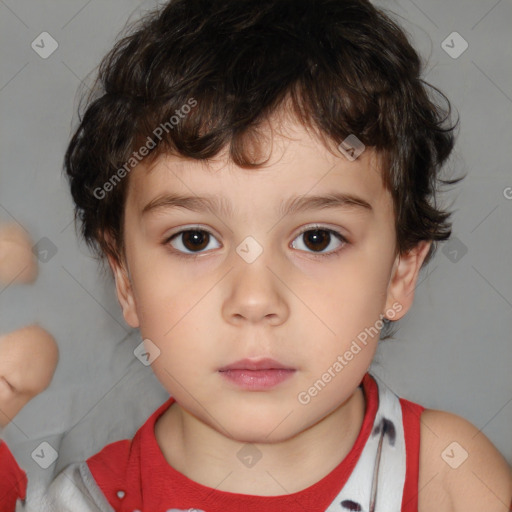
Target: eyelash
(333, 253)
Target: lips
(251, 364)
(256, 375)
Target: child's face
(290, 304)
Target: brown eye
(195, 240)
(190, 241)
(318, 239)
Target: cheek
(185, 352)
(353, 294)
(166, 313)
(159, 295)
(174, 318)
(347, 307)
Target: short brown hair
(345, 67)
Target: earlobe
(404, 277)
(124, 292)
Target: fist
(28, 358)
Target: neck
(207, 457)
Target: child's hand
(28, 356)
(17, 263)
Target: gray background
(452, 351)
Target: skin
(28, 356)
(17, 262)
(290, 304)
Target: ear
(124, 291)
(404, 277)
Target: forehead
(299, 164)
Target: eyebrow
(297, 204)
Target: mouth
(255, 365)
(256, 375)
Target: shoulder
(110, 466)
(113, 454)
(460, 469)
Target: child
(229, 137)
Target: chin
(256, 437)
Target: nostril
(4, 382)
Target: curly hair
(340, 66)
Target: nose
(256, 294)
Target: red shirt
(134, 475)
(13, 481)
